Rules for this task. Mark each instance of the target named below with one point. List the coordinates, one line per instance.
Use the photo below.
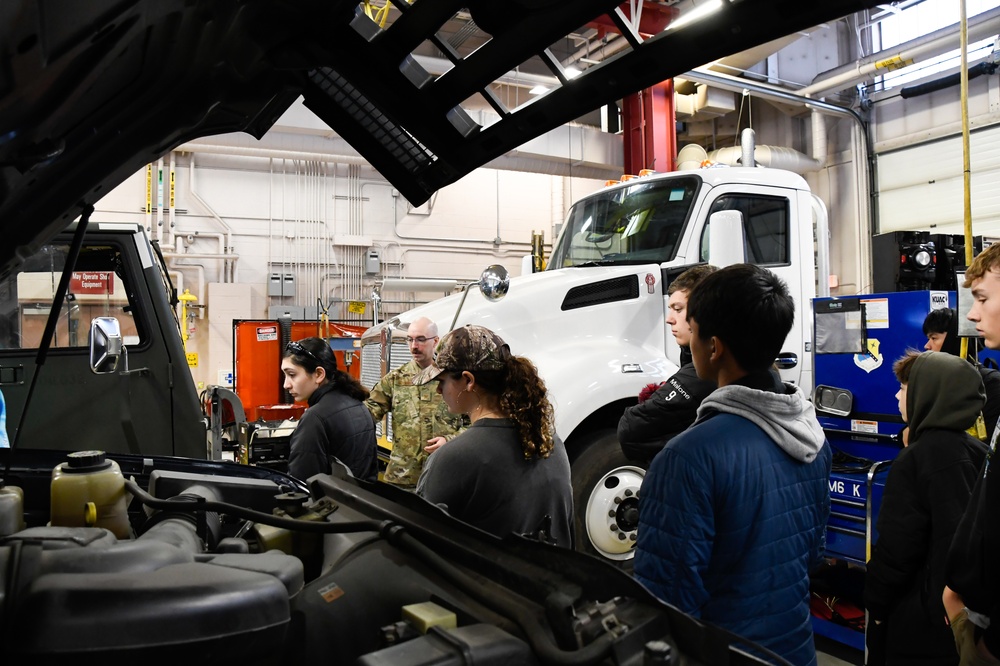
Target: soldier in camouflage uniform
(420, 419)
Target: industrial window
(99, 287)
(765, 227)
(922, 18)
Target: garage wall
(316, 222)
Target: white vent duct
(774, 157)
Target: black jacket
(991, 378)
(645, 428)
(926, 492)
(335, 426)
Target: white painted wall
(316, 220)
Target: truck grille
(606, 291)
(371, 372)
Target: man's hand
(435, 443)
(953, 604)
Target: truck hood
(93, 91)
(521, 320)
(611, 315)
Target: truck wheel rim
(613, 512)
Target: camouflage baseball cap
(467, 348)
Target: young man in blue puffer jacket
(732, 513)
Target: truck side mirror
(105, 345)
(494, 282)
(725, 238)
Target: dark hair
(904, 365)
(748, 308)
(938, 321)
(523, 396)
(315, 352)
(690, 278)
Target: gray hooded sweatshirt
(789, 419)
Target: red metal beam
(650, 130)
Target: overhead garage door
(920, 187)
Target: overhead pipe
(273, 153)
(867, 209)
(819, 148)
(765, 91)
(747, 156)
(229, 273)
(985, 67)
(940, 41)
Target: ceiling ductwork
(706, 103)
(774, 157)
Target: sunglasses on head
(296, 348)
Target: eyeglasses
(296, 348)
(419, 339)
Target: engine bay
(231, 563)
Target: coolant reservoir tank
(11, 510)
(89, 491)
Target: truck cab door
(772, 238)
(151, 410)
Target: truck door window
(99, 287)
(765, 227)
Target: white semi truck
(594, 321)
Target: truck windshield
(640, 223)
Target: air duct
(773, 157)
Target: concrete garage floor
(831, 653)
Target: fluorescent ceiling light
(573, 72)
(538, 90)
(697, 14)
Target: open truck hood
(92, 91)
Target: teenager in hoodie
(926, 493)
(941, 329)
(732, 513)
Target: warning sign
(92, 282)
(265, 333)
(356, 307)
(192, 359)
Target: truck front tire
(606, 498)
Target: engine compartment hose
(200, 504)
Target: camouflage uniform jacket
(418, 414)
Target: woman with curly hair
(337, 425)
(508, 472)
